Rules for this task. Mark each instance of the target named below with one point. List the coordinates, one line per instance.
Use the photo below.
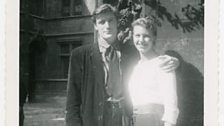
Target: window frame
(71, 8)
(62, 55)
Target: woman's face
(143, 39)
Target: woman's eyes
(144, 36)
(137, 35)
(147, 36)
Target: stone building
(50, 29)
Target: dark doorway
(37, 48)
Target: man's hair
(147, 22)
(104, 8)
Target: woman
(152, 90)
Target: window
(71, 7)
(36, 7)
(112, 2)
(77, 7)
(66, 7)
(65, 51)
(22, 5)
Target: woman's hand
(168, 63)
(168, 124)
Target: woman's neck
(148, 55)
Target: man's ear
(95, 27)
(154, 40)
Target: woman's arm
(169, 94)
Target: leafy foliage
(190, 19)
(193, 15)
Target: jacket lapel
(97, 64)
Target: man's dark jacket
(86, 95)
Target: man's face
(143, 39)
(106, 25)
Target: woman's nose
(141, 38)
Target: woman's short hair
(104, 8)
(147, 22)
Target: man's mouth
(142, 47)
(108, 31)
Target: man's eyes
(101, 22)
(104, 21)
(110, 20)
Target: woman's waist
(143, 99)
(150, 108)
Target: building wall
(190, 45)
(76, 30)
(69, 25)
(59, 31)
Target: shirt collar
(103, 45)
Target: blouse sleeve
(169, 94)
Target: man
(95, 94)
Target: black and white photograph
(111, 62)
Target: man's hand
(168, 63)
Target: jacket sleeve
(73, 102)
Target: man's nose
(107, 24)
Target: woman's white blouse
(150, 84)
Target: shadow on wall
(190, 85)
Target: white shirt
(150, 84)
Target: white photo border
(210, 63)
